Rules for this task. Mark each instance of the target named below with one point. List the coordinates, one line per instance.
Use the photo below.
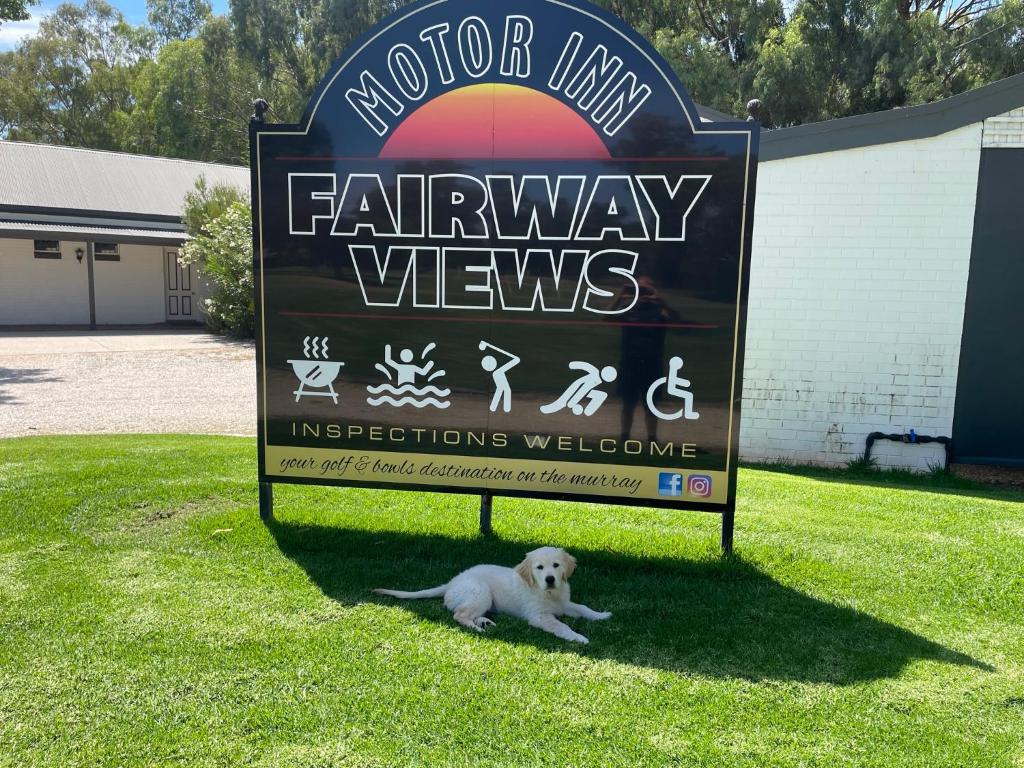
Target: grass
(147, 617)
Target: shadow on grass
(929, 482)
(723, 618)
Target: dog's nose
(550, 580)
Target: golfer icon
(675, 386)
(502, 391)
(585, 388)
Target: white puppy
(536, 590)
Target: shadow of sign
(19, 376)
(723, 618)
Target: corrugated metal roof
(44, 176)
(24, 229)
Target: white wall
(131, 291)
(1005, 130)
(857, 289)
(42, 291)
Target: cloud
(13, 32)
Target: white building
(887, 285)
(91, 238)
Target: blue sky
(11, 32)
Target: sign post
(502, 254)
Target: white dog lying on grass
(536, 590)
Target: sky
(12, 32)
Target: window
(106, 252)
(47, 249)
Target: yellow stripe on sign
(524, 475)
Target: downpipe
(910, 437)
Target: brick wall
(1006, 130)
(858, 282)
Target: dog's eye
(555, 565)
(540, 567)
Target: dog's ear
(570, 564)
(525, 571)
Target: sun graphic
(495, 120)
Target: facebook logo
(670, 484)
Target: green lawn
(148, 617)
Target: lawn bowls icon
(316, 372)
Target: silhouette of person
(641, 352)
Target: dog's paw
(602, 615)
(579, 639)
(482, 623)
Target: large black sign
(501, 253)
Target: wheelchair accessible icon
(675, 386)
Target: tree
(194, 100)
(177, 19)
(71, 84)
(8, 64)
(90, 79)
(292, 44)
(843, 57)
(207, 202)
(993, 46)
(219, 221)
(14, 10)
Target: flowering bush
(222, 248)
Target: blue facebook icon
(670, 484)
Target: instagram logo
(698, 485)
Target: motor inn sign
(502, 254)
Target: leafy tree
(842, 57)
(90, 79)
(8, 63)
(14, 10)
(993, 46)
(194, 100)
(292, 44)
(207, 202)
(224, 253)
(219, 220)
(713, 45)
(71, 84)
(177, 19)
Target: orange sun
(495, 120)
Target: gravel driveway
(80, 382)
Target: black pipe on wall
(910, 437)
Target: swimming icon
(502, 390)
(401, 389)
(583, 397)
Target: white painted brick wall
(42, 291)
(857, 288)
(1006, 130)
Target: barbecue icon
(318, 372)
